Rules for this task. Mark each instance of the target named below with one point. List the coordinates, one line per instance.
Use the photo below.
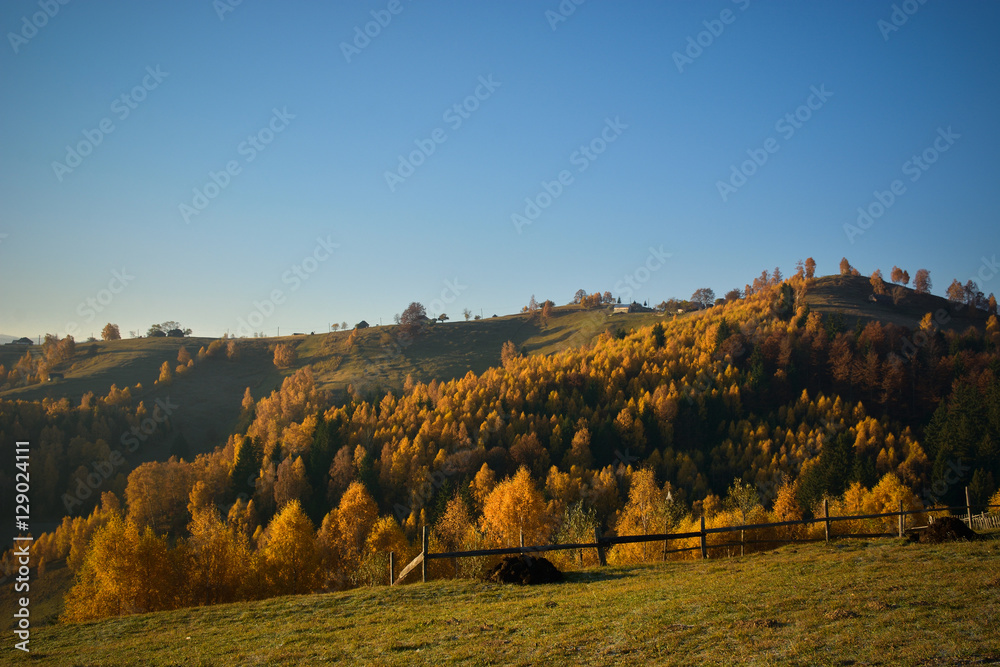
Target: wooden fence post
(601, 558)
(521, 531)
(902, 518)
(423, 550)
(666, 531)
(968, 506)
(826, 517)
(704, 545)
(742, 541)
(392, 567)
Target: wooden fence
(601, 544)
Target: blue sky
(200, 92)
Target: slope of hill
(878, 602)
(849, 295)
(380, 360)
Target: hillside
(854, 602)
(849, 295)
(380, 361)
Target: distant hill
(381, 358)
(6, 338)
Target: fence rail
(601, 543)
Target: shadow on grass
(592, 576)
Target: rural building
(630, 308)
(22, 341)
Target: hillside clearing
(880, 602)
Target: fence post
(902, 518)
(392, 567)
(423, 549)
(601, 558)
(968, 506)
(742, 541)
(666, 531)
(704, 545)
(826, 517)
(521, 531)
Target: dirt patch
(524, 570)
(947, 529)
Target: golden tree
(644, 514)
(284, 355)
(516, 507)
(290, 554)
(111, 332)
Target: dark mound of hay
(947, 529)
(524, 570)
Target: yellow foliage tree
(290, 555)
(515, 506)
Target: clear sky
(113, 115)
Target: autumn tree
(956, 292)
(291, 483)
(284, 355)
(166, 373)
(810, 267)
(547, 310)
(922, 282)
(703, 296)
(645, 513)
(514, 508)
(111, 332)
(509, 354)
(412, 319)
(291, 558)
(896, 275)
(878, 285)
(845, 267)
(467, 314)
(183, 356)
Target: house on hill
(630, 308)
(22, 341)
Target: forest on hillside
(753, 408)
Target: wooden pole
(968, 506)
(521, 531)
(392, 567)
(601, 558)
(742, 542)
(902, 518)
(704, 544)
(423, 547)
(666, 531)
(826, 517)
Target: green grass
(879, 602)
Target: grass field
(880, 602)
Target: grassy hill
(209, 396)
(852, 602)
(849, 295)
(381, 358)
